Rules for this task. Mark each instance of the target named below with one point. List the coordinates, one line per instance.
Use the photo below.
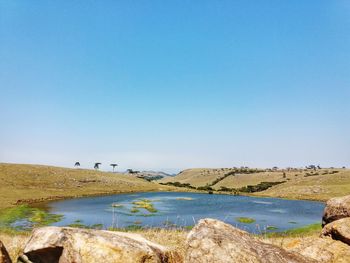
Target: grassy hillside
(317, 187)
(320, 184)
(21, 182)
(198, 176)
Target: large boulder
(66, 245)
(336, 208)
(214, 241)
(325, 249)
(338, 230)
(4, 256)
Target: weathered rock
(338, 230)
(336, 208)
(325, 250)
(4, 256)
(66, 245)
(214, 241)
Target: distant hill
(39, 182)
(151, 175)
(314, 184)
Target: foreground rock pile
(66, 244)
(214, 241)
(210, 241)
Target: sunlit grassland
(37, 182)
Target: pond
(182, 210)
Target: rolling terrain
(318, 184)
(37, 182)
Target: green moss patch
(245, 220)
(298, 232)
(24, 217)
(271, 228)
(144, 204)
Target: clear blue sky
(175, 84)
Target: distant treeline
(246, 189)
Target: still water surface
(185, 209)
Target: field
(21, 183)
(319, 184)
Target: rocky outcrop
(65, 245)
(336, 208)
(325, 250)
(4, 256)
(214, 241)
(338, 230)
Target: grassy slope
(318, 187)
(21, 181)
(321, 187)
(197, 176)
(241, 180)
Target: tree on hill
(113, 165)
(97, 166)
(131, 171)
(77, 164)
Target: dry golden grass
(173, 239)
(14, 244)
(321, 185)
(197, 176)
(241, 180)
(21, 182)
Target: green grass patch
(271, 228)
(245, 220)
(298, 232)
(133, 227)
(24, 217)
(145, 204)
(134, 210)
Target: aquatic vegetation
(292, 222)
(245, 220)
(145, 204)
(117, 205)
(271, 228)
(24, 217)
(133, 227)
(134, 210)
